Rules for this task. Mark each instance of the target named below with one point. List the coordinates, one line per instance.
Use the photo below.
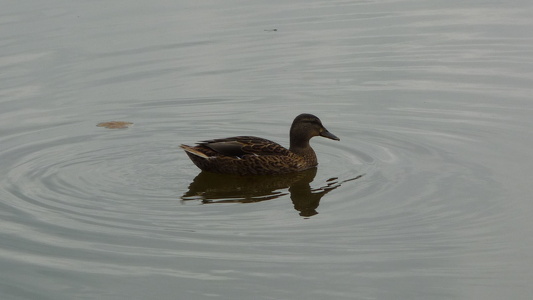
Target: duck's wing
(244, 145)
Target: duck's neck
(299, 142)
(302, 148)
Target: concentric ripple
(122, 196)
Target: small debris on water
(115, 124)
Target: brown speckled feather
(246, 155)
(243, 145)
(249, 155)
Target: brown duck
(250, 155)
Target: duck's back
(240, 146)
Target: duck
(250, 155)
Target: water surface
(426, 196)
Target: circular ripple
(96, 189)
(103, 178)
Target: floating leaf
(115, 124)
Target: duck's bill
(329, 135)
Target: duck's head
(306, 126)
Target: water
(426, 196)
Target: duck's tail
(193, 151)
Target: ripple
(113, 193)
(98, 178)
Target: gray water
(426, 196)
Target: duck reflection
(216, 188)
